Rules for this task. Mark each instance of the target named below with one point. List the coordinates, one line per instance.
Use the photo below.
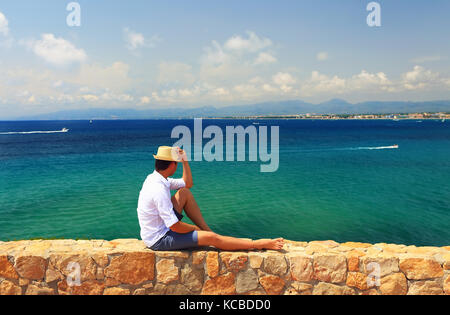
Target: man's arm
(187, 174)
(183, 228)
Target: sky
(145, 54)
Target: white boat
(64, 130)
(395, 146)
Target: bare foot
(275, 244)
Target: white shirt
(155, 208)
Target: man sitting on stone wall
(160, 214)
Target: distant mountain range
(295, 107)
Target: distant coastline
(394, 117)
(282, 109)
(269, 117)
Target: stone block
(428, 287)
(166, 271)
(246, 281)
(132, 268)
(330, 268)
(221, 285)
(380, 265)
(90, 287)
(9, 288)
(234, 261)
(192, 278)
(301, 267)
(275, 264)
(7, 269)
(421, 268)
(212, 264)
(273, 285)
(394, 284)
(324, 288)
(31, 267)
(116, 291)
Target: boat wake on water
(64, 130)
(392, 147)
(377, 148)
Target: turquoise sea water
(332, 182)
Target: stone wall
(124, 267)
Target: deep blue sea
(335, 181)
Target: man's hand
(182, 154)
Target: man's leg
(184, 199)
(206, 238)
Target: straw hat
(167, 154)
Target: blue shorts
(176, 241)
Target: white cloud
(107, 97)
(4, 28)
(257, 80)
(282, 85)
(185, 93)
(264, 58)
(319, 83)
(122, 98)
(322, 56)
(217, 65)
(90, 97)
(135, 40)
(155, 96)
(97, 77)
(284, 81)
(229, 73)
(366, 80)
(31, 99)
(236, 58)
(56, 51)
(268, 88)
(215, 55)
(58, 84)
(246, 92)
(282, 78)
(111, 86)
(19, 84)
(175, 73)
(420, 78)
(366, 83)
(238, 47)
(251, 44)
(220, 92)
(144, 100)
(6, 39)
(102, 85)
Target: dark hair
(161, 165)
